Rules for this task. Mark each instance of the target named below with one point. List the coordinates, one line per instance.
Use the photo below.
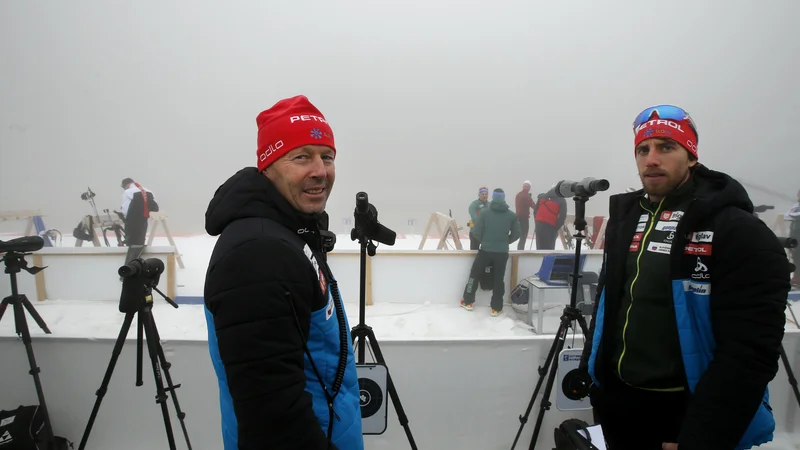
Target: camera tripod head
(580, 191)
(367, 228)
(139, 278)
(15, 251)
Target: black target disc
(370, 395)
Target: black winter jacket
(277, 327)
(749, 284)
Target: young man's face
(483, 196)
(663, 166)
(305, 177)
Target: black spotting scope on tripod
(140, 278)
(580, 191)
(366, 229)
(14, 258)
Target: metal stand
(785, 360)
(15, 261)
(363, 331)
(571, 313)
(147, 323)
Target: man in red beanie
(689, 319)
(278, 334)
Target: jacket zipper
(642, 246)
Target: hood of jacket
(498, 205)
(248, 193)
(714, 191)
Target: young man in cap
(497, 228)
(690, 314)
(475, 209)
(278, 334)
(523, 203)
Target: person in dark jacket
(523, 203)
(278, 334)
(496, 229)
(475, 209)
(137, 204)
(549, 214)
(690, 314)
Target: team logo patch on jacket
(697, 249)
(702, 236)
(323, 283)
(671, 215)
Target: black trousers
(135, 231)
(546, 235)
(635, 419)
(474, 244)
(498, 262)
(524, 227)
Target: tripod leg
(22, 328)
(35, 314)
(544, 405)
(123, 332)
(139, 326)
(170, 386)
(542, 372)
(398, 407)
(792, 379)
(161, 396)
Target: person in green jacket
(475, 209)
(497, 227)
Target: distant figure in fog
(497, 228)
(523, 204)
(137, 204)
(550, 213)
(475, 209)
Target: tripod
(364, 223)
(571, 313)
(142, 286)
(15, 261)
(784, 359)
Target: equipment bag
(21, 429)
(568, 436)
(520, 295)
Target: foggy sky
(428, 99)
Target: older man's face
(305, 177)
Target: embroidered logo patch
(329, 310)
(697, 249)
(659, 247)
(702, 236)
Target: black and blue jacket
(728, 279)
(277, 330)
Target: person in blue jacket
(278, 334)
(690, 315)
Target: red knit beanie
(679, 131)
(289, 124)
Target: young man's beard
(663, 189)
